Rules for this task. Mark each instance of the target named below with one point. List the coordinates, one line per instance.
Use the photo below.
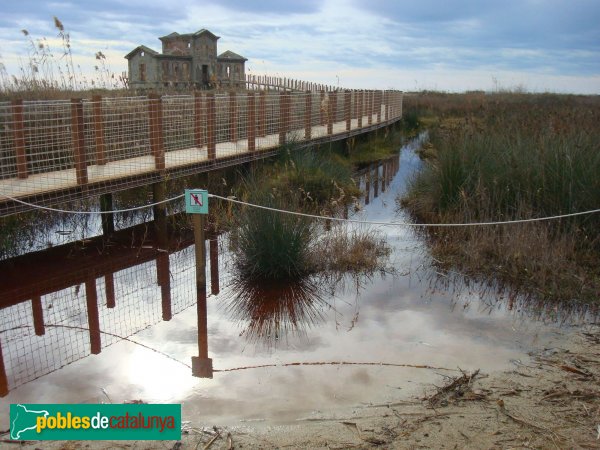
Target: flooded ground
(121, 330)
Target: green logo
(95, 422)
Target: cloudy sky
(539, 45)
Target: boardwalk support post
(233, 116)
(77, 138)
(19, 137)
(307, 115)
(348, 109)
(97, 118)
(156, 130)
(251, 127)
(211, 132)
(198, 120)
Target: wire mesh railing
(60, 150)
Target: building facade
(187, 60)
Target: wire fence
(53, 151)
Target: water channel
(129, 330)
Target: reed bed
(508, 156)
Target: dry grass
(510, 156)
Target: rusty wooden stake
(98, 120)
(18, 125)
(77, 137)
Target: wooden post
(200, 250)
(108, 220)
(308, 115)
(214, 265)
(77, 138)
(156, 130)
(383, 177)
(38, 316)
(322, 108)
(98, 120)
(232, 116)
(348, 109)
(360, 108)
(91, 297)
(199, 117)
(378, 107)
(159, 195)
(283, 101)
(376, 182)
(211, 132)
(386, 99)
(251, 127)
(262, 114)
(18, 125)
(370, 107)
(201, 364)
(109, 283)
(332, 107)
(164, 281)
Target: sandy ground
(552, 400)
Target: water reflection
(273, 311)
(59, 308)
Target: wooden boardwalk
(244, 128)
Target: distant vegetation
(510, 156)
(47, 72)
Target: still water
(127, 326)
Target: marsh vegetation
(504, 157)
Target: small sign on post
(196, 201)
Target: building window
(143, 53)
(142, 72)
(228, 72)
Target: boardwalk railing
(259, 82)
(53, 151)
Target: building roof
(141, 48)
(230, 56)
(175, 35)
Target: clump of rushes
(271, 246)
(527, 156)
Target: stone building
(187, 60)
